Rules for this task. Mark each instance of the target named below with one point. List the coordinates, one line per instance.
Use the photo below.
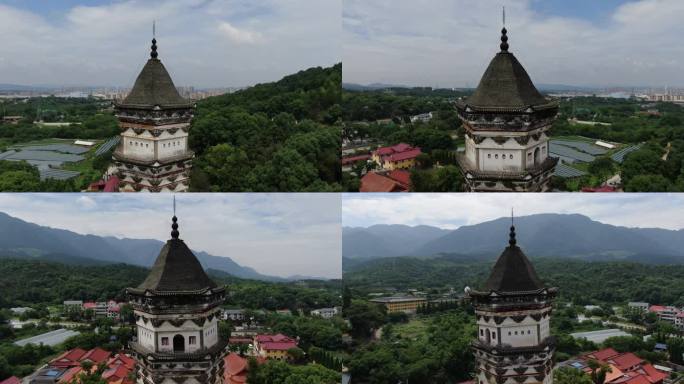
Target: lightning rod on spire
(154, 28)
(504, 16)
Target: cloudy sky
(203, 43)
(451, 211)
(450, 42)
(276, 234)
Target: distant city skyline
(276, 234)
(451, 211)
(449, 43)
(203, 43)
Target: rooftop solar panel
(63, 148)
(566, 171)
(104, 148)
(564, 151)
(44, 156)
(619, 156)
(582, 146)
(58, 174)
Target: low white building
(20, 310)
(73, 305)
(233, 314)
(638, 305)
(422, 118)
(325, 313)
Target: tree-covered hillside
(620, 282)
(278, 136)
(46, 282)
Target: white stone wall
(171, 147)
(186, 335)
(147, 335)
(510, 156)
(148, 147)
(527, 333)
(498, 160)
(211, 333)
(138, 148)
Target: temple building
(513, 314)
(505, 121)
(153, 153)
(177, 313)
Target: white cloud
(240, 36)
(86, 202)
(450, 43)
(276, 234)
(204, 43)
(454, 210)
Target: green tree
(567, 375)
(364, 317)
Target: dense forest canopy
(280, 136)
(621, 282)
(41, 283)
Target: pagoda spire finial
(174, 226)
(511, 236)
(504, 38)
(154, 53)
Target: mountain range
(24, 240)
(544, 235)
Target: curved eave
(470, 108)
(150, 107)
(547, 344)
(153, 293)
(536, 292)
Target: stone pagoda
(513, 313)
(506, 122)
(153, 154)
(176, 313)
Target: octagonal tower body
(506, 122)
(513, 312)
(176, 312)
(153, 154)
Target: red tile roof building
(235, 369)
(119, 367)
(68, 359)
(96, 356)
(627, 368)
(400, 156)
(11, 380)
(375, 182)
(274, 346)
(353, 159)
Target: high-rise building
(513, 313)
(505, 121)
(177, 313)
(153, 154)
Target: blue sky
(449, 43)
(444, 210)
(597, 11)
(276, 234)
(203, 43)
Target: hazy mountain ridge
(543, 235)
(21, 239)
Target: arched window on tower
(178, 343)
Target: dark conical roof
(176, 269)
(513, 272)
(505, 83)
(154, 87)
